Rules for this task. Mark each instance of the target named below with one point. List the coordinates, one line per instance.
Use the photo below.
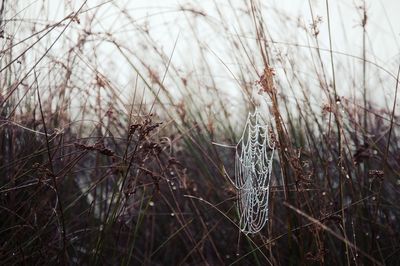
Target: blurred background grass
(117, 121)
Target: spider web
(253, 167)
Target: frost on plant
(253, 166)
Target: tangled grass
(114, 151)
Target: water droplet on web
(377, 237)
(174, 188)
(323, 193)
(172, 214)
(151, 203)
(347, 176)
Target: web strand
(253, 168)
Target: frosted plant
(253, 166)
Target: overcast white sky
(225, 19)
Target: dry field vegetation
(115, 144)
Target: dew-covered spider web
(253, 168)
